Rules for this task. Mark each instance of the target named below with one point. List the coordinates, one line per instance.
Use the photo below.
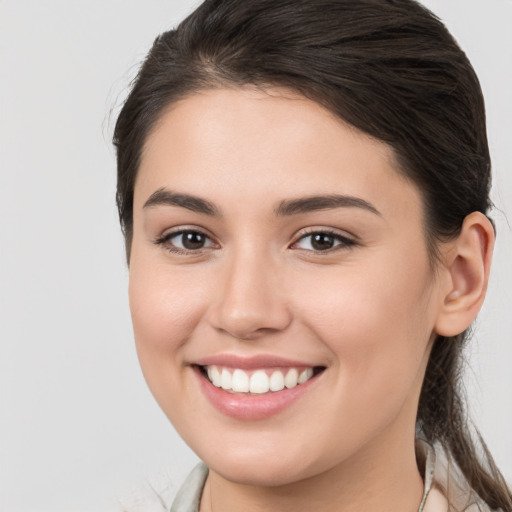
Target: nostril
(253, 327)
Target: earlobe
(467, 267)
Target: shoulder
(446, 488)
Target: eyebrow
(314, 203)
(163, 196)
(196, 204)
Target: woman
(303, 187)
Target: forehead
(248, 142)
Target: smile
(258, 381)
(254, 388)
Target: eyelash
(344, 242)
(165, 240)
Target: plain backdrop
(79, 431)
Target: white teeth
(276, 381)
(225, 379)
(240, 381)
(290, 381)
(305, 375)
(259, 382)
(215, 376)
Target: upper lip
(253, 362)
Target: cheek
(366, 301)
(165, 308)
(377, 321)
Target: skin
(368, 312)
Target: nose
(251, 301)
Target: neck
(381, 477)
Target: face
(282, 298)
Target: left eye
(322, 241)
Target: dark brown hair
(388, 67)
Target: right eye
(185, 241)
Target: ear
(466, 269)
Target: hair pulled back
(388, 67)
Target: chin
(260, 473)
(268, 463)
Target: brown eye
(192, 240)
(185, 241)
(321, 241)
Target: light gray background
(78, 429)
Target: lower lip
(252, 407)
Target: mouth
(258, 381)
(255, 388)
